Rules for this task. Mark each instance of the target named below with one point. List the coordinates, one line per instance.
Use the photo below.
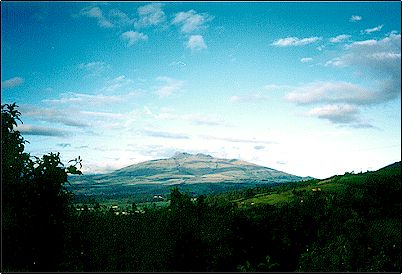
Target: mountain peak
(180, 155)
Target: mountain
(197, 173)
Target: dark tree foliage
(34, 201)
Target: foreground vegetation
(345, 223)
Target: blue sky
(308, 88)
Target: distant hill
(197, 173)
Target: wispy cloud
(116, 83)
(52, 115)
(81, 98)
(133, 36)
(248, 98)
(94, 68)
(306, 59)
(355, 18)
(238, 140)
(42, 131)
(340, 38)
(12, 82)
(294, 41)
(178, 64)
(196, 42)
(194, 118)
(150, 15)
(120, 18)
(102, 115)
(199, 119)
(169, 87)
(164, 134)
(368, 31)
(274, 87)
(96, 12)
(190, 21)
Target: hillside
(345, 223)
(297, 190)
(199, 173)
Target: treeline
(356, 228)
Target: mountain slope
(200, 168)
(199, 174)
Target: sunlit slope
(296, 190)
(188, 168)
(201, 171)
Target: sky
(312, 89)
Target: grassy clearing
(275, 197)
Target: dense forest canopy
(345, 223)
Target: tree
(35, 202)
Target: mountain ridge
(200, 173)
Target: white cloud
(333, 92)
(169, 87)
(96, 12)
(371, 42)
(190, 21)
(12, 82)
(340, 38)
(343, 114)
(377, 60)
(336, 62)
(196, 42)
(306, 59)
(133, 36)
(150, 15)
(355, 18)
(320, 47)
(147, 110)
(368, 31)
(294, 41)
